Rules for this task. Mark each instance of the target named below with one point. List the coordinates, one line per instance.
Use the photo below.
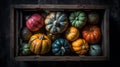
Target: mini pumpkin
(61, 47)
(25, 34)
(80, 46)
(39, 44)
(91, 34)
(35, 22)
(56, 22)
(78, 19)
(72, 34)
(25, 49)
(93, 18)
(95, 50)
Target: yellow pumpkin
(80, 46)
(39, 44)
(72, 34)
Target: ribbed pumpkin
(40, 44)
(80, 46)
(61, 47)
(35, 22)
(72, 34)
(93, 18)
(25, 34)
(78, 19)
(56, 22)
(91, 34)
(25, 49)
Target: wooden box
(17, 19)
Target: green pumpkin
(56, 22)
(93, 18)
(25, 34)
(78, 19)
(25, 49)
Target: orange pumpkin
(80, 46)
(91, 34)
(39, 44)
(72, 34)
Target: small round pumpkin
(78, 19)
(91, 34)
(93, 18)
(80, 46)
(25, 34)
(95, 50)
(72, 34)
(35, 22)
(39, 44)
(56, 22)
(25, 49)
(61, 47)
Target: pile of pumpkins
(61, 34)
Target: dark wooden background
(5, 33)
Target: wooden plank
(106, 34)
(12, 32)
(49, 6)
(60, 58)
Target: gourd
(60, 47)
(78, 19)
(72, 34)
(80, 46)
(91, 34)
(56, 22)
(35, 22)
(40, 44)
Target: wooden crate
(16, 22)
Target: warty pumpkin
(78, 19)
(80, 46)
(35, 22)
(72, 33)
(39, 44)
(91, 34)
(56, 22)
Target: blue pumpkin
(61, 47)
(95, 50)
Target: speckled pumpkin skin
(56, 22)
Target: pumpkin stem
(41, 37)
(63, 49)
(93, 48)
(91, 30)
(56, 23)
(83, 47)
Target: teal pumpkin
(95, 50)
(61, 47)
(56, 22)
(93, 18)
(25, 49)
(78, 19)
